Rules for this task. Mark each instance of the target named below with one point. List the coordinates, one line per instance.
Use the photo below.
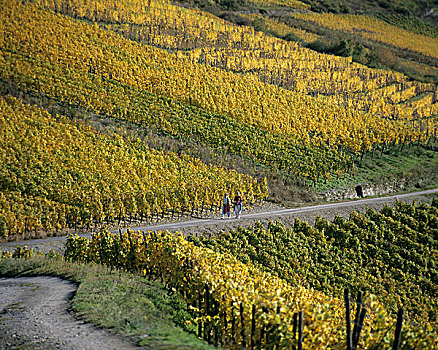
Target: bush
(232, 4)
(292, 37)
(319, 45)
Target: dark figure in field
(359, 191)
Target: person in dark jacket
(238, 205)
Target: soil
(34, 311)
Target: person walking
(226, 206)
(238, 205)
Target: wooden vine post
(348, 318)
(300, 330)
(253, 326)
(398, 329)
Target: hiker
(226, 206)
(238, 205)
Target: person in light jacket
(226, 206)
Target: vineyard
(249, 288)
(391, 253)
(378, 38)
(254, 92)
(318, 137)
(57, 174)
(76, 82)
(208, 40)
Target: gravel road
(34, 315)
(217, 225)
(288, 216)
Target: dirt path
(34, 315)
(216, 225)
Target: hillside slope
(351, 123)
(182, 74)
(56, 174)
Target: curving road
(215, 225)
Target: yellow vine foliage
(53, 169)
(286, 3)
(217, 43)
(189, 268)
(281, 28)
(231, 47)
(83, 86)
(83, 47)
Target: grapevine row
(391, 253)
(55, 174)
(237, 292)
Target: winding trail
(34, 315)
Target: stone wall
(366, 189)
